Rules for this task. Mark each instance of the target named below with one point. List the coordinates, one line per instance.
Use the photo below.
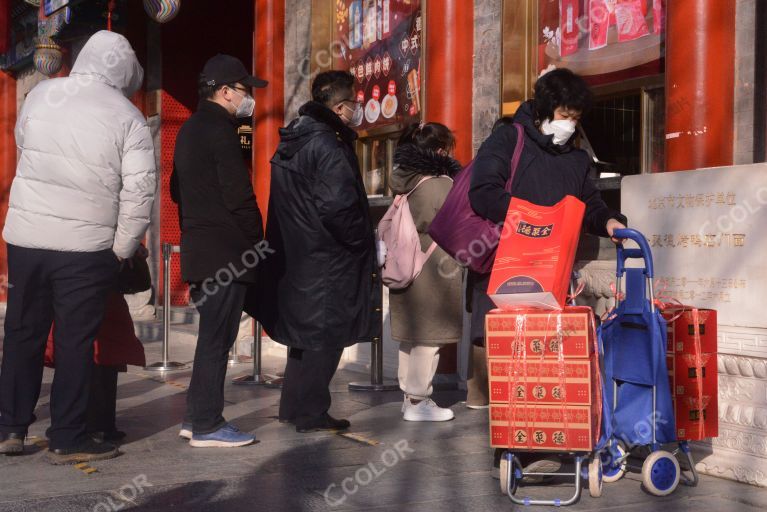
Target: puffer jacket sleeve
(597, 212)
(139, 183)
(491, 171)
(18, 132)
(338, 204)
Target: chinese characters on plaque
(706, 229)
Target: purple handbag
(470, 239)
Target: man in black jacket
(319, 227)
(221, 238)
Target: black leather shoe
(87, 451)
(326, 422)
(111, 436)
(11, 443)
(114, 435)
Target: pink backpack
(404, 257)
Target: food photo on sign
(380, 44)
(601, 40)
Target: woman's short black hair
(433, 136)
(332, 87)
(561, 88)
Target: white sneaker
(405, 401)
(426, 410)
(186, 431)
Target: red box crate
(543, 427)
(689, 415)
(541, 381)
(681, 331)
(693, 421)
(685, 375)
(543, 333)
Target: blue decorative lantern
(162, 11)
(48, 58)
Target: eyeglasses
(240, 89)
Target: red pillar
(7, 142)
(5, 25)
(448, 87)
(268, 63)
(449, 52)
(7, 161)
(700, 74)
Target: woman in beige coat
(427, 314)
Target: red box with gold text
(543, 333)
(543, 427)
(542, 381)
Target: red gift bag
(535, 257)
(116, 342)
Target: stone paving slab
(389, 465)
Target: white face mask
(246, 106)
(357, 115)
(562, 130)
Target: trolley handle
(643, 252)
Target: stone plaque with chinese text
(708, 233)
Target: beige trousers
(417, 366)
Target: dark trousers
(220, 309)
(70, 288)
(305, 391)
(102, 402)
(479, 305)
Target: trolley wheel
(595, 477)
(508, 465)
(660, 473)
(612, 472)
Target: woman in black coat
(550, 168)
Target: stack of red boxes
(692, 368)
(542, 374)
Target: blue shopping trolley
(639, 412)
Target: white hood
(109, 57)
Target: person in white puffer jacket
(80, 203)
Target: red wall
(7, 162)
(268, 62)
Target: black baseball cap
(225, 69)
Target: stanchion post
(166, 365)
(256, 378)
(377, 381)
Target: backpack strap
(425, 178)
(430, 250)
(433, 245)
(517, 155)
